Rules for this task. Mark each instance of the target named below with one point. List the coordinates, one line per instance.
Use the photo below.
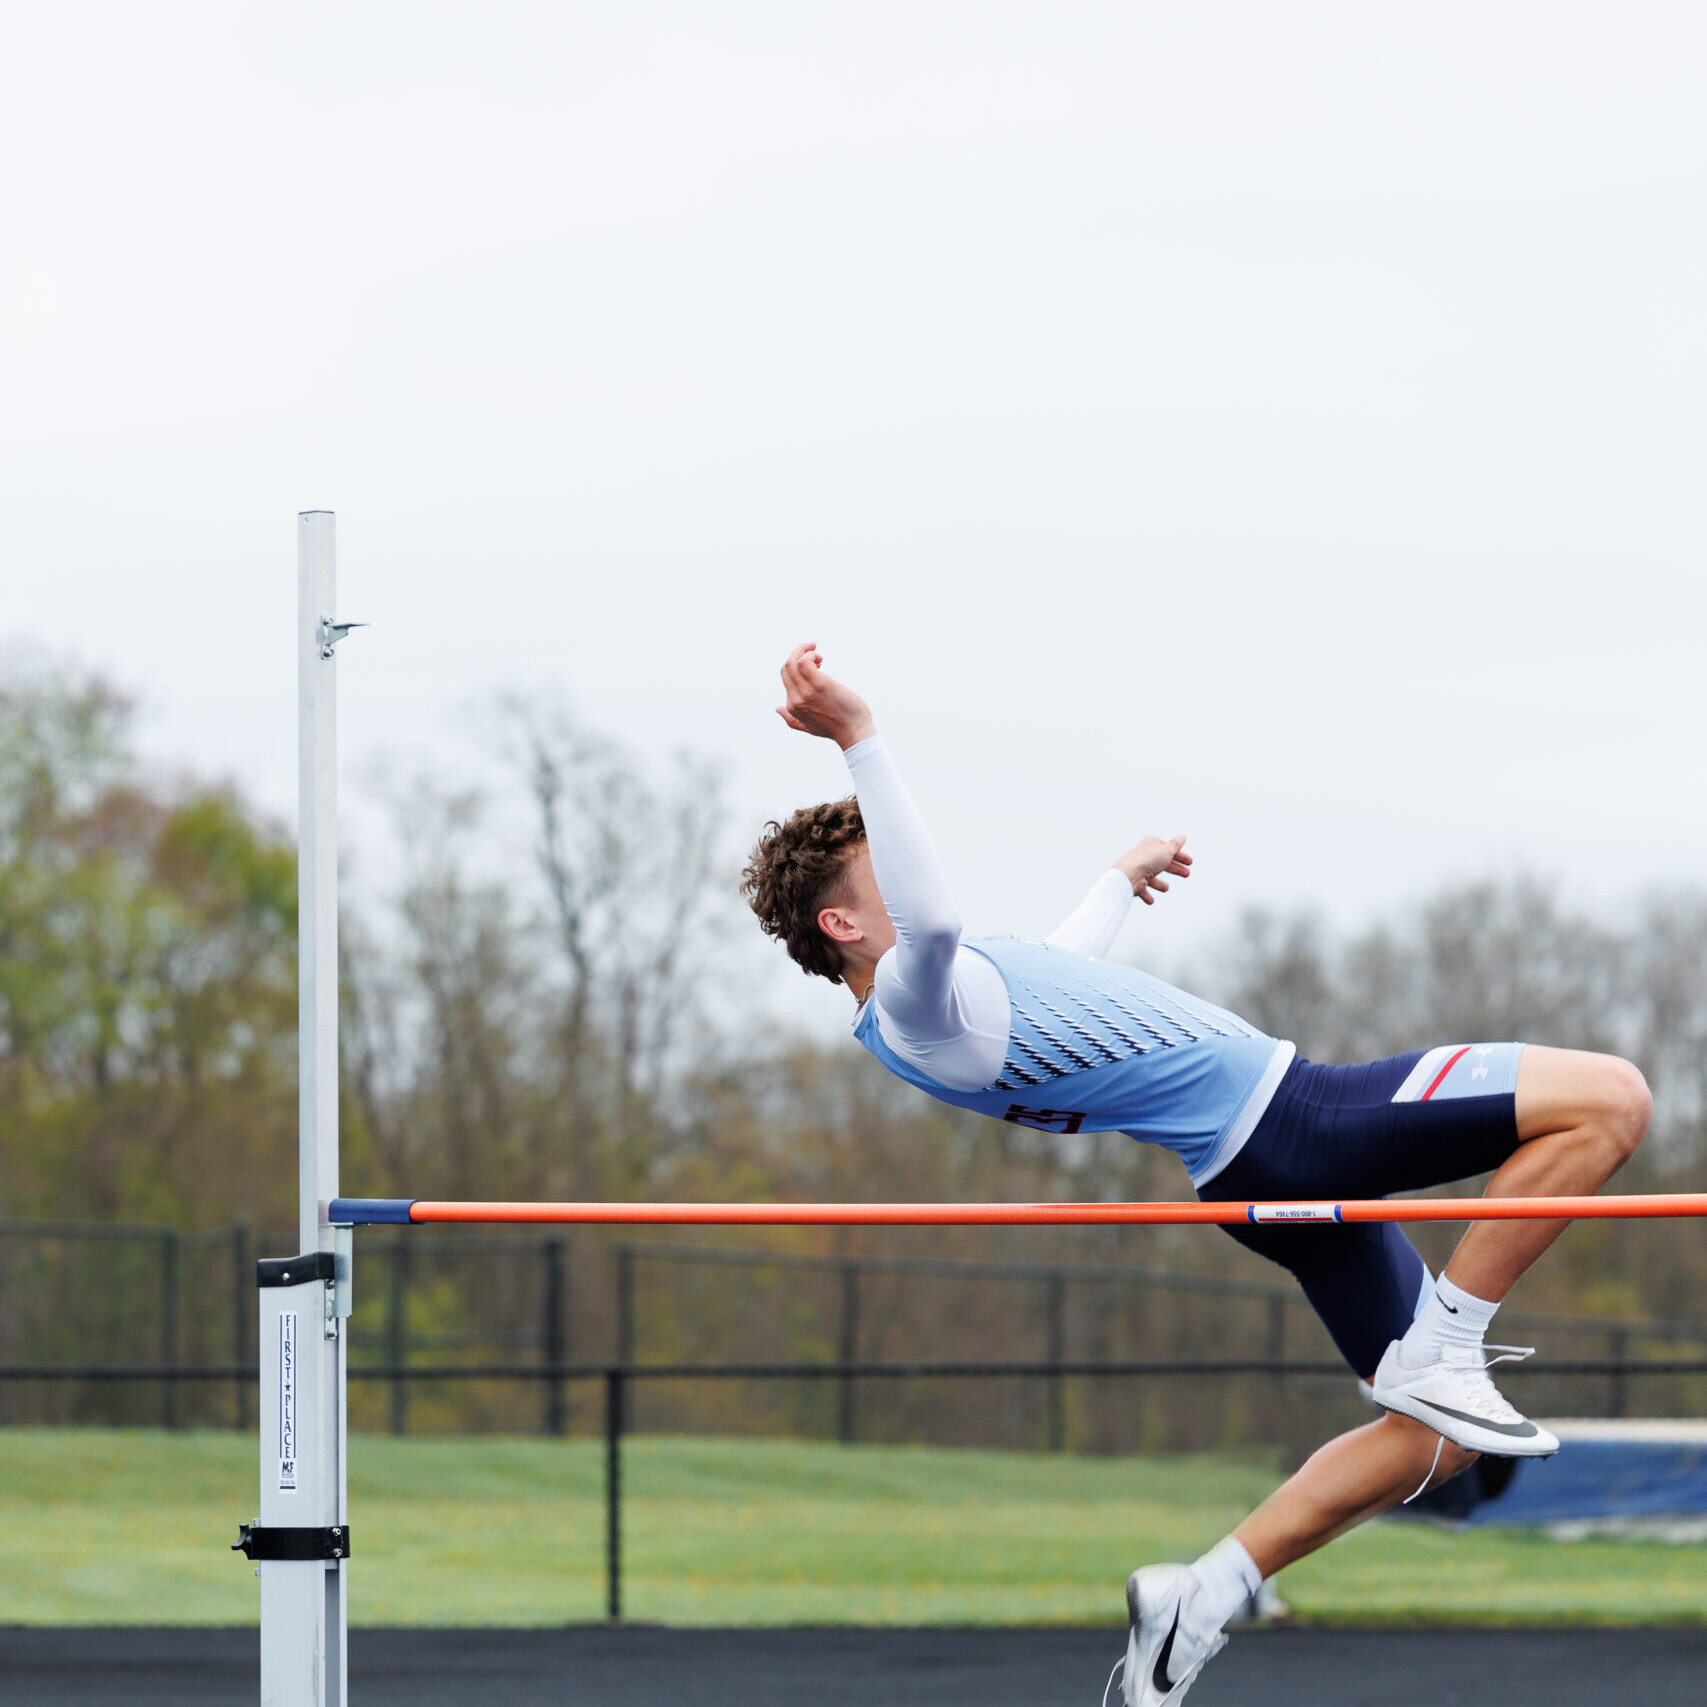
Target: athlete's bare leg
(1580, 1117)
(1354, 1477)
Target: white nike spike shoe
(1457, 1398)
(1163, 1654)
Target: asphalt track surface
(1276, 1667)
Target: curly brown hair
(796, 871)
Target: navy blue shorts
(1401, 1124)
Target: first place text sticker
(287, 1401)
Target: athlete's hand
(1152, 863)
(818, 704)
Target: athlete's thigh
(1401, 1124)
(1561, 1088)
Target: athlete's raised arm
(916, 989)
(1141, 871)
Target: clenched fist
(818, 704)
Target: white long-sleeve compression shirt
(942, 1007)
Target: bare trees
(1668, 1003)
(523, 1015)
(627, 866)
(1487, 961)
(523, 1027)
(438, 1005)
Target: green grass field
(132, 1527)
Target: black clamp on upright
(295, 1271)
(275, 1541)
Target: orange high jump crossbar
(403, 1211)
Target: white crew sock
(1449, 1316)
(1226, 1577)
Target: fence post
(171, 1246)
(555, 1416)
(1056, 1355)
(242, 1310)
(7, 1388)
(848, 1349)
(1618, 1398)
(625, 1304)
(397, 1331)
(1277, 1343)
(615, 1382)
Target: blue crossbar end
(370, 1211)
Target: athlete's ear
(838, 926)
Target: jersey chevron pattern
(1097, 1047)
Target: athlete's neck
(859, 972)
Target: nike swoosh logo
(1450, 1309)
(1159, 1676)
(1524, 1430)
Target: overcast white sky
(1283, 423)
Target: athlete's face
(859, 922)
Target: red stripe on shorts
(1443, 1072)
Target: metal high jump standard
(301, 1541)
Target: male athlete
(1049, 1034)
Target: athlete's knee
(1626, 1107)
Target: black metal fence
(1278, 1326)
(618, 1381)
(57, 1306)
(160, 1331)
(853, 1274)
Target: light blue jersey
(1094, 1047)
